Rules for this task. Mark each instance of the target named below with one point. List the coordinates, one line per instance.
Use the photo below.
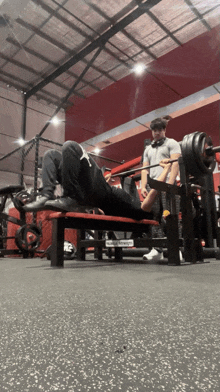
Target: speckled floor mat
(117, 327)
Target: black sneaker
(64, 204)
(37, 205)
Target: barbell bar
(212, 150)
(132, 171)
(198, 156)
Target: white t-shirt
(153, 155)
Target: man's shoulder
(147, 150)
(173, 146)
(170, 140)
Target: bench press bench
(84, 221)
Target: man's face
(159, 134)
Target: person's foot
(37, 205)
(64, 204)
(153, 255)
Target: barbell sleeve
(212, 150)
(216, 149)
(132, 171)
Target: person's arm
(174, 169)
(144, 174)
(151, 196)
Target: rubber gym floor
(107, 326)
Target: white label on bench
(119, 243)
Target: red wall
(182, 72)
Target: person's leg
(51, 172)
(156, 231)
(51, 169)
(74, 157)
(119, 203)
(77, 179)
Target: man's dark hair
(160, 123)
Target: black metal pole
(23, 135)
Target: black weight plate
(205, 163)
(188, 155)
(193, 146)
(27, 237)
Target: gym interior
(82, 309)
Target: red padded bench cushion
(108, 218)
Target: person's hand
(108, 177)
(165, 163)
(101, 211)
(144, 192)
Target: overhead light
(20, 141)
(139, 68)
(97, 150)
(55, 121)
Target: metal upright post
(37, 139)
(23, 135)
(187, 216)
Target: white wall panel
(11, 120)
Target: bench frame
(83, 222)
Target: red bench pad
(108, 218)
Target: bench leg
(57, 247)
(118, 254)
(98, 249)
(81, 250)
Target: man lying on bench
(84, 185)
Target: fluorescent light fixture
(139, 68)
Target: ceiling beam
(95, 44)
(112, 21)
(20, 87)
(33, 71)
(88, 37)
(65, 99)
(198, 15)
(58, 44)
(168, 32)
(49, 61)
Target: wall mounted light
(97, 150)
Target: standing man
(161, 148)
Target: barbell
(198, 156)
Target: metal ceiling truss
(74, 86)
(142, 8)
(117, 26)
(123, 31)
(33, 71)
(61, 46)
(11, 80)
(50, 62)
(198, 15)
(169, 34)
